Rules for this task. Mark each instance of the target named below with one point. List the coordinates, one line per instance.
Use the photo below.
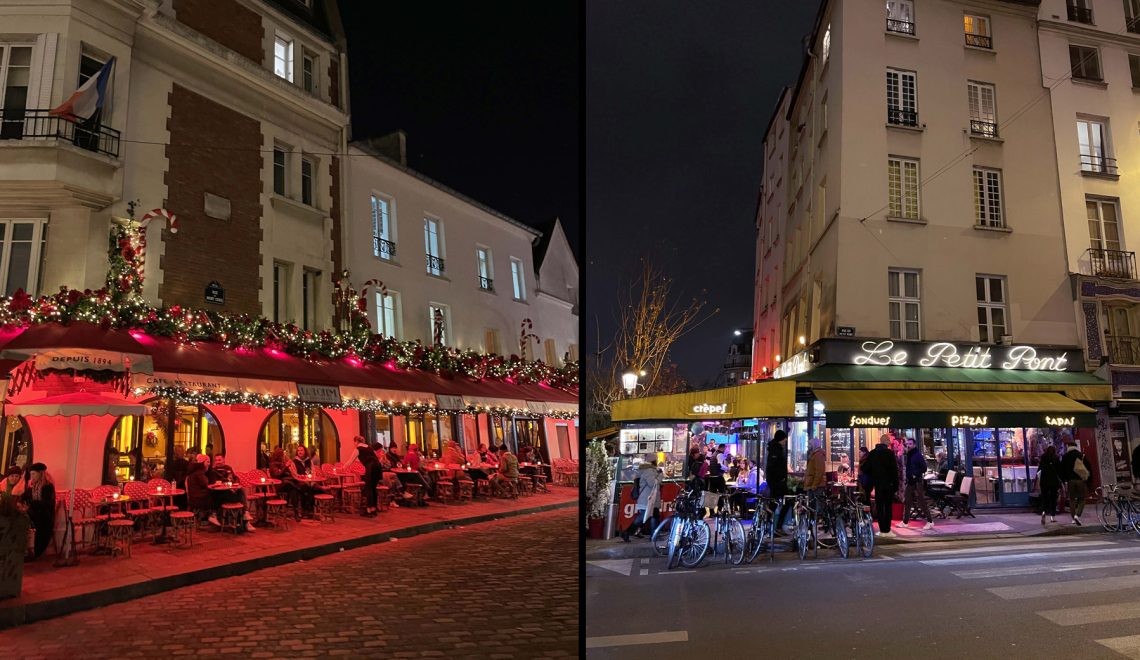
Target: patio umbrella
(78, 404)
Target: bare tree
(650, 319)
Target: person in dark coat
(1136, 464)
(1078, 487)
(883, 471)
(1049, 478)
(915, 484)
(372, 471)
(864, 477)
(197, 487)
(776, 474)
(39, 498)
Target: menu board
(646, 441)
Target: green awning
(1078, 385)
(880, 408)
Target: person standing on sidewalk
(1049, 478)
(883, 470)
(776, 470)
(915, 484)
(815, 477)
(649, 489)
(1077, 473)
(716, 483)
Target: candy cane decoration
(525, 334)
(381, 288)
(140, 240)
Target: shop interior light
(803, 340)
(777, 358)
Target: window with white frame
(433, 244)
(283, 57)
(483, 266)
(1092, 138)
(904, 301)
(1104, 223)
(900, 16)
(308, 173)
(518, 279)
(902, 98)
(1132, 15)
(388, 314)
(383, 242)
(987, 198)
(22, 245)
(902, 188)
(310, 280)
(1084, 62)
(439, 324)
(991, 308)
(977, 30)
(15, 76)
(309, 71)
(280, 169)
(983, 109)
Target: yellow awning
(954, 408)
(773, 398)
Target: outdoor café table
(266, 486)
(114, 500)
(405, 474)
(167, 494)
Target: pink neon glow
(391, 365)
(510, 380)
(354, 361)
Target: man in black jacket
(883, 471)
(915, 484)
(776, 474)
(1078, 485)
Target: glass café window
(377, 427)
(529, 433)
(431, 432)
(309, 426)
(145, 438)
(16, 446)
(667, 443)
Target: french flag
(89, 98)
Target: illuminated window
(283, 57)
(311, 427)
(388, 314)
(518, 280)
(904, 303)
(902, 188)
(983, 109)
(987, 198)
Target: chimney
(393, 145)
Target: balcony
(435, 265)
(900, 117)
(38, 125)
(900, 26)
(1123, 349)
(983, 128)
(1116, 264)
(382, 248)
(1099, 165)
(979, 40)
(1079, 14)
(486, 283)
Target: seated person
(453, 455)
(508, 470)
(198, 495)
(289, 490)
(487, 457)
(395, 488)
(299, 466)
(12, 483)
(414, 461)
(222, 473)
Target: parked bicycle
(727, 528)
(830, 530)
(761, 533)
(688, 535)
(1120, 510)
(859, 522)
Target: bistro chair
(232, 515)
(539, 482)
(484, 488)
(182, 523)
(350, 497)
(444, 490)
(524, 484)
(277, 513)
(120, 533)
(960, 501)
(466, 490)
(253, 497)
(137, 509)
(332, 484)
(324, 507)
(84, 519)
(416, 491)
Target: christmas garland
(119, 304)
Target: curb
(19, 614)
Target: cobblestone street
(504, 589)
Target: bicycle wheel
(825, 531)
(759, 535)
(734, 542)
(1110, 517)
(660, 537)
(841, 540)
(1134, 515)
(866, 536)
(802, 536)
(698, 545)
(676, 541)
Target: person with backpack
(1049, 478)
(776, 471)
(883, 471)
(647, 492)
(1077, 474)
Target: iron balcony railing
(1098, 164)
(383, 248)
(1132, 24)
(984, 128)
(1079, 14)
(902, 117)
(486, 283)
(20, 124)
(1111, 263)
(434, 264)
(1123, 349)
(979, 40)
(900, 26)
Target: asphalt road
(1054, 597)
(503, 589)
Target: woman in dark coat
(198, 487)
(39, 497)
(1049, 478)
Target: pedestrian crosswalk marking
(1067, 588)
(1128, 646)
(1020, 557)
(1079, 616)
(620, 566)
(1000, 548)
(1031, 569)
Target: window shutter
(43, 72)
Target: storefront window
(529, 434)
(431, 432)
(666, 444)
(376, 427)
(17, 445)
(498, 432)
(309, 426)
(137, 447)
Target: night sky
(488, 94)
(678, 95)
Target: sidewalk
(985, 526)
(99, 580)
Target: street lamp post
(629, 381)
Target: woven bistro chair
(138, 509)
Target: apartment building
(768, 287)
(455, 270)
(1090, 63)
(232, 125)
